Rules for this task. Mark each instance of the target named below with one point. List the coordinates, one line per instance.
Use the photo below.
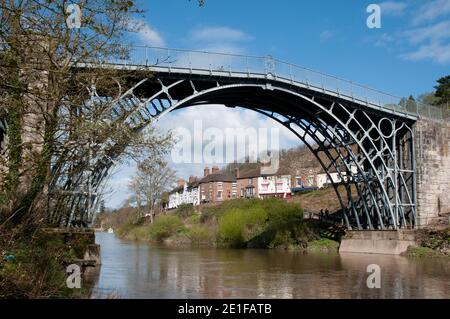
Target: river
(138, 270)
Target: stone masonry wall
(432, 142)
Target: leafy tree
(427, 98)
(443, 91)
(411, 103)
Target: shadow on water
(133, 270)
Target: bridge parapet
(235, 65)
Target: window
(242, 192)
(249, 192)
(249, 181)
(264, 187)
(219, 195)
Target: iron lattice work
(363, 135)
(371, 150)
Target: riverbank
(431, 243)
(34, 260)
(270, 223)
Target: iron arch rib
(343, 133)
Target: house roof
(193, 184)
(249, 173)
(176, 190)
(255, 172)
(219, 177)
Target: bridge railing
(245, 65)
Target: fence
(235, 64)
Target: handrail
(141, 55)
(267, 65)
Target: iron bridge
(362, 134)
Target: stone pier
(389, 242)
(432, 155)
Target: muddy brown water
(137, 270)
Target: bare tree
(152, 180)
(62, 132)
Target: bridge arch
(360, 145)
(369, 145)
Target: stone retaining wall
(432, 143)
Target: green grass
(323, 245)
(422, 252)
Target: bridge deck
(239, 67)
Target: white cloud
(326, 35)
(393, 8)
(225, 40)
(433, 43)
(432, 10)
(437, 52)
(434, 33)
(220, 117)
(218, 34)
(384, 40)
(211, 116)
(147, 34)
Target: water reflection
(133, 270)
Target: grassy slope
(271, 223)
(321, 199)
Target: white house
(185, 193)
(274, 186)
(322, 180)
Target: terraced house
(217, 186)
(253, 184)
(185, 193)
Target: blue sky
(405, 56)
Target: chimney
(215, 170)
(236, 172)
(192, 179)
(206, 171)
(180, 182)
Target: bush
(165, 226)
(281, 212)
(238, 226)
(139, 233)
(199, 234)
(184, 211)
(194, 219)
(125, 229)
(38, 269)
(283, 238)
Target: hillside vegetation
(269, 223)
